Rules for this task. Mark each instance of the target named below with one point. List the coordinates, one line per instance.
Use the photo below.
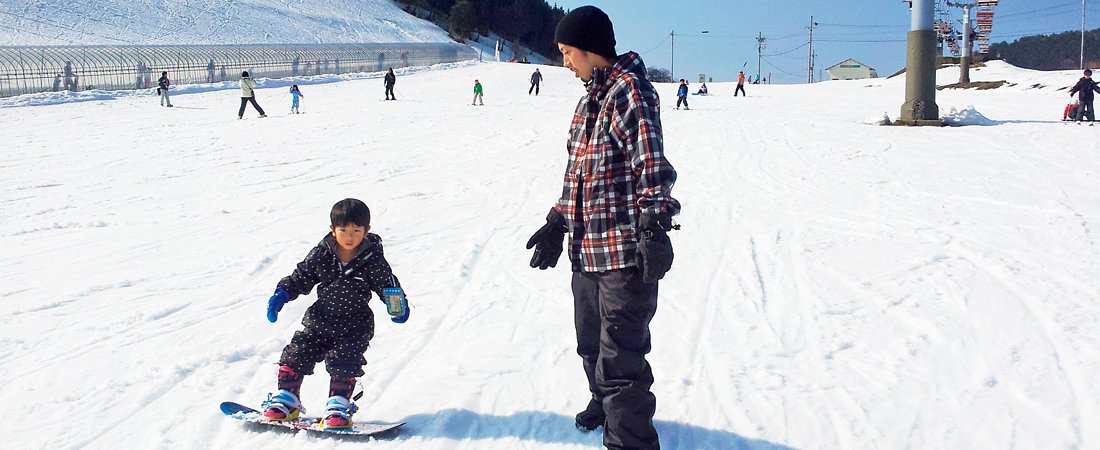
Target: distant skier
(536, 79)
(702, 90)
(248, 94)
(740, 84)
(478, 93)
(295, 95)
(162, 89)
(390, 80)
(682, 94)
(346, 266)
(1084, 89)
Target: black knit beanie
(588, 29)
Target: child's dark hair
(349, 211)
(294, 88)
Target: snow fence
(25, 70)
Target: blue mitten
(275, 304)
(396, 304)
(402, 318)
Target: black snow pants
(741, 89)
(389, 92)
(343, 357)
(683, 100)
(244, 102)
(612, 311)
(534, 87)
(1085, 111)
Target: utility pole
(810, 69)
(920, 68)
(1082, 35)
(760, 45)
(672, 70)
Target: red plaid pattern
(617, 168)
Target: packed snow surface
(160, 22)
(836, 285)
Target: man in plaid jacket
(616, 207)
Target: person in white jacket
(248, 95)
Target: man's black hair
(350, 211)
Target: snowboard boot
(282, 406)
(592, 417)
(338, 412)
(339, 409)
(285, 404)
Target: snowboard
(241, 412)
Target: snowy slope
(160, 22)
(837, 284)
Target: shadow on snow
(462, 424)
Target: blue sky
(870, 31)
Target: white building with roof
(851, 69)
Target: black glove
(654, 247)
(548, 241)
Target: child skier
(478, 93)
(296, 94)
(682, 94)
(389, 81)
(347, 265)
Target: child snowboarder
(478, 91)
(347, 265)
(162, 89)
(296, 94)
(248, 94)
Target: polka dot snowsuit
(340, 324)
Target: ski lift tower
(920, 67)
(985, 28)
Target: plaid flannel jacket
(617, 167)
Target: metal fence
(25, 70)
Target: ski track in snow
(837, 285)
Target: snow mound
(968, 116)
(884, 119)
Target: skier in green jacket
(478, 91)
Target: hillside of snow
(836, 284)
(162, 22)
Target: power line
(853, 25)
(1063, 5)
(864, 41)
(657, 46)
(777, 68)
(788, 51)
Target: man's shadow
(551, 428)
